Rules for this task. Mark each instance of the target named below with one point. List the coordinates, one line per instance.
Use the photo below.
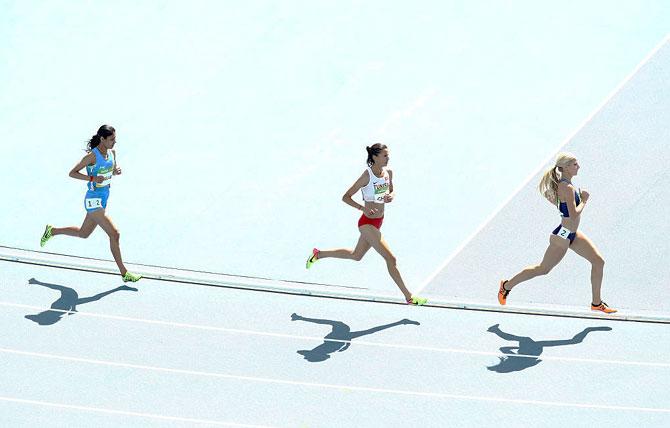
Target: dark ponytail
(374, 150)
(103, 132)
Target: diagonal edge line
(563, 143)
(369, 297)
(126, 412)
(330, 386)
(358, 342)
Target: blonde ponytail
(549, 183)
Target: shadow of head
(514, 364)
(314, 357)
(46, 317)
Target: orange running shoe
(602, 307)
(503, 292)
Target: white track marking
(358, 342)
(334, 386)
(126, 413)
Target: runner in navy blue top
(556, 186)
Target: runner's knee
(598, 262)
(115, 235)
(84, 232)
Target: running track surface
(173, 354)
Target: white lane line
(127, 413)
(333, 386)
(544, 163)
(358, 342)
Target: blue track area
(80, 349)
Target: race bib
(563, 233)
(93, 202)
(380, 191)
(108, 179)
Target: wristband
(90, 178)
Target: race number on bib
(381, 190)
(563, 233)
(93, 202)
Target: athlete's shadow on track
(67, 302)
(339, 339)
(528, 350)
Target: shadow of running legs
(340, 337)
(67, 302)
(529, 350)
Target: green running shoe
(417, 301)
(129, 277)
(47, 235)
(313, 258)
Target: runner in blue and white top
(101, 165)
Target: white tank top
(377, 187)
